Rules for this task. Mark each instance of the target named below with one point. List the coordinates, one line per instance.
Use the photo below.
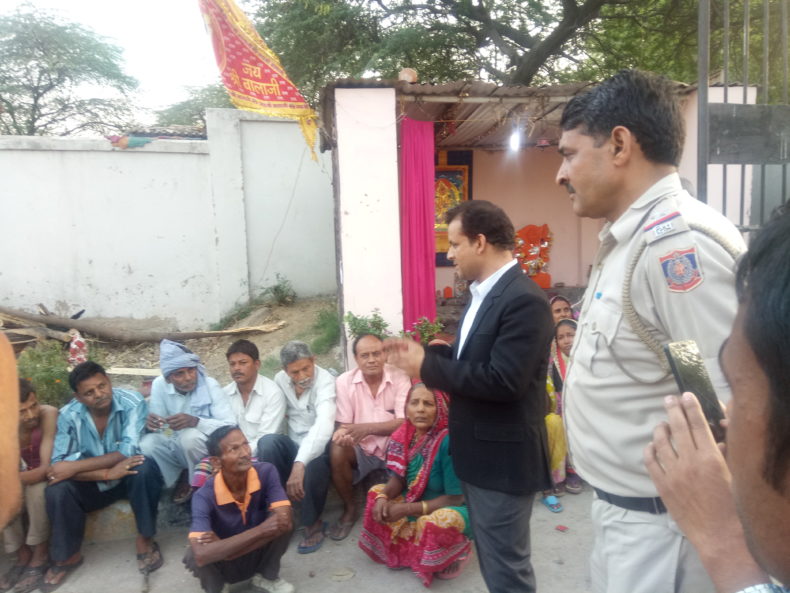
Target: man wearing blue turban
(185, 407)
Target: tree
(192, 111)
(506, 41)
(45, 70)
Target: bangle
(424, 508)
(381, 495)
(107, 475)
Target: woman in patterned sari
(417, 519)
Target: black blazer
(498, 389)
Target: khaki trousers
(638, 552)
(34, 514)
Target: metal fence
(743, 47)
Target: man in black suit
(495, 374)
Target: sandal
(149, 561)
(58, 570)
(32, 578)
(573, 484)
(12, 576)
(340, 531)
(304, 548)
(552, 503)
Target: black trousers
(280, 451)
(500, 523)
(264, 561)
(69, 501)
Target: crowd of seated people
(244, 454)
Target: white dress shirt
(264, 412)
(311, 416)
(479, 292)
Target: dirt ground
(299, 319)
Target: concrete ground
(560, 560)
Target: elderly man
(241, 519)
(302, 456)
(258, 404)
(664, 272)
(37, 425)
(95, 462)
(185, 407)
(706, 493)
(371, 402)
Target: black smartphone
(691, 375)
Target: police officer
(664, 272)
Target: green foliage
(192, 111)
(366, 324)
(281, 292)
(507, 41)
(327, 328)
(270, 366)
(45, 69)
(425, 330)
(45, 365)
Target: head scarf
(174, 356)
(559, 360)
(403, 446)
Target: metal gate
(746, 131)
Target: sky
(165, 45)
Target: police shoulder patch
(682, 269)
(664, 225)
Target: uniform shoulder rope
(655, 230)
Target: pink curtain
(418, 257)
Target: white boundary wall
(179, 230)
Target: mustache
(304, 383)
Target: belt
(654, 506)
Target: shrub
(45, 366)
(366, 324)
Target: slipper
(552, 503)
(12, 576)
(45, 587)
(145, 562)
(340, 531)
(31, 579)
(302, 548)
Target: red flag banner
(251, 72)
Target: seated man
(241, 519)
(257, 402)
(95, 462)
(36, 436)
(185, 407)
(371, 401)
(302, 456)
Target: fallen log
(99, 328)
(38, 332)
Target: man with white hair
(302, 456)
(185, 407)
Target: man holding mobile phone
(664, 272)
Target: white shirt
(311, 416)
(264, 412)
(479, 292)
(166, 401)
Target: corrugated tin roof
(471, 113)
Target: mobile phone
(691, 375)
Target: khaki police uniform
(679, 256)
